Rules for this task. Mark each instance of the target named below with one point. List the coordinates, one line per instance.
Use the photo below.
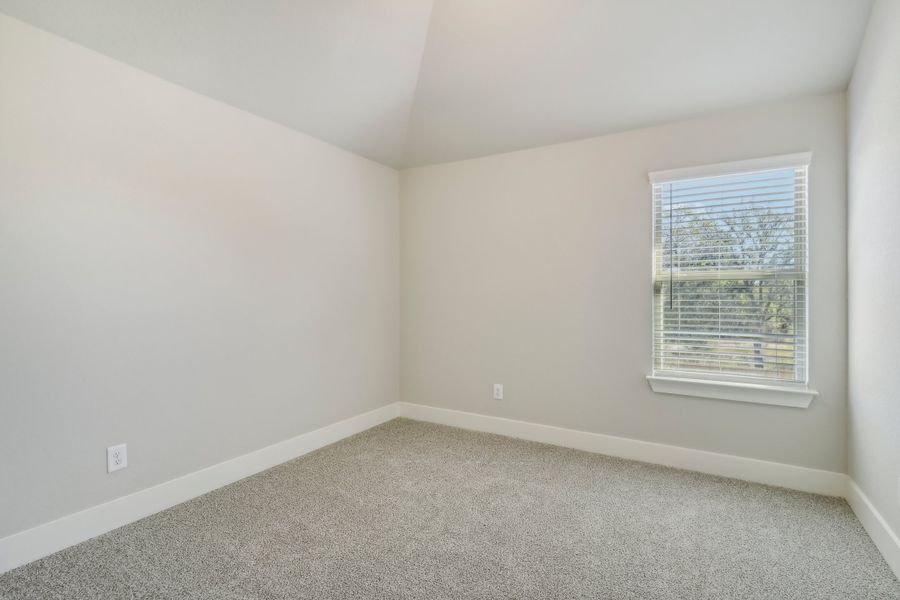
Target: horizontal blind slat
(687, 184)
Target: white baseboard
(804, 479)
(31, 544)
(37, 542)
(886, 540)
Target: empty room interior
(464, 299)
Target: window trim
(782, 161)
(799, 396)
(726, 387)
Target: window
(730, 275)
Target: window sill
(796, 397)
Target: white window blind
(730, 272)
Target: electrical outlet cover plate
(498, 391)
(116, 458)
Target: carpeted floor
(411, 510)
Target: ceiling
(412, 82)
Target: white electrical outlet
(116, 457)
(498, 391)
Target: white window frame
(727, 387)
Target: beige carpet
(410, 510)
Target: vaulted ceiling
(412, 82)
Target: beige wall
(198, 282)
(175, 274)
(874, 263)
(532, 269)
